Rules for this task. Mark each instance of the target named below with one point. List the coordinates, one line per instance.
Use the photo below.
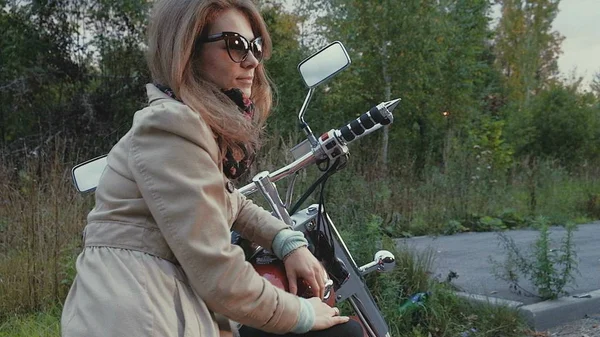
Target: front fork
(354, 288)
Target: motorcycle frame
(354, 288)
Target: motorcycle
(330, 152)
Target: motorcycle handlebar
(368, 122)
(283, 172)
(365, 122)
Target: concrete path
(468, 254)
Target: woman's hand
(325, 316)
(302, 264)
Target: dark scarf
(235, 162)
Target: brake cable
(328, 172)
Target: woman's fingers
(317, 283)
(326, 316)
(293, 282)
(338, 320)
(314, 286)
(321, 281)
(302, 264)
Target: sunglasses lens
(257, 49)
(237, 47)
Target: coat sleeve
(255, 223)
(173, 158)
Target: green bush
(549, 270)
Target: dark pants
(349, 329)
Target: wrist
(290, 253)
(287, 241)
(306, 317)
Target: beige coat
(158, 259)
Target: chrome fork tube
(269, 191)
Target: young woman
(157, 259)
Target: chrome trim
(297, 165)
(361, 316)
(263, 182)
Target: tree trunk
(388, 96)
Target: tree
(563, 126)
(36, 66)
(71, 68)
(430, 53)
(526, 47)
(282, 68)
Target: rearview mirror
(324, 64)
(87, 175)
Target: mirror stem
(303, 125)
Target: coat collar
(155, 96)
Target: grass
(41, 219)
(444, 204)
(40, 324)
(443, 313)
(549, 270)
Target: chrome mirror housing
(87, 174)
(324, 64)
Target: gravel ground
(587, 327)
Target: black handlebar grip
(378, 117)
(347, 134)
(366, 121)
(363, 123)
(356, 127)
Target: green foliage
(489, 145)
(454, 227)
(549, 270)
(431, 55)
(442, 313)
(595, 86)
(592, 206)
(488, 223)
(34, 56)
(526, 48)
(41, 324)
(282, 68)
(43, 220)
(73, 69)
(560, 125)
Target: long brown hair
(173, 29)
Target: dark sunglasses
(238, 46)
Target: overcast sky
(579, 22)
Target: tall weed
(42, 218)
(549, 270)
